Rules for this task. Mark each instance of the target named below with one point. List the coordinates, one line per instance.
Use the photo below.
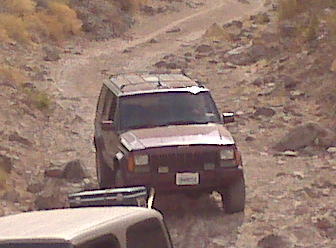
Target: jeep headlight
(141, 159)
(226, 154)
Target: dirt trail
(195, 223)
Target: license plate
(187, 178)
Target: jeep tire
(105, 174)
(119, 180)
(233, 197)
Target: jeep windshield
(167, 108)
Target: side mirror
(228, 118)
(107, 125)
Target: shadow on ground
(200, 222)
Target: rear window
(147, 234)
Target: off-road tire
(119, 180)
(233, 197)
(105, 175)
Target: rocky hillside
(275, 69)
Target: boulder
(261, 18)
(35, 187)
(204, 49)
(74, 171)
(274, 241)
(308, 134)
(241, 59)
(51, 54)
(49, 200)
(6, 163)
(56, 172)
(264, 111)
(15, 136)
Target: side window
(106, 241)
(109, 106)
(101, 99)
(146, 234)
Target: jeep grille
(179, 162)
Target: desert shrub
(46, 26)
(66, 16)
(3, 34)
(3, 177)
(12, 75)
(129, 6)
(312, 29)
(20, 7)
(15, 28)
(40, 99)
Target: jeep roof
(63, 225)
(137, 83)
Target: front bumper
(166, 182)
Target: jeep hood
(207, 134)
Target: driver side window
(109, 107)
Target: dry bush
(129, 6)
(40, 99)
(66, 16)
(288, 9)
(312, 29)
(20, 7)
(12, 75)
(3, 178)
(46, 26)
(3, 34)
(15, 28)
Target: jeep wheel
(233, 197)
(104, 174)
(119, 180)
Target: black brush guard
(131, 196)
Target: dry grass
(13, 28)
(26, 22)
(12, 75)
(40, 99)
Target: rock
(204, 49)
(12, 196)
(258, 82)
(287, 153)
(264, 111)
(18, 138)
(331, 150)
(51, 54)
(242, 59)
(153, 41)
(173, 30)
(56, 172)
(288, 82)
(302, 136)
(6, 163)
(288, 29)
(235, 23)
(35, 187)
(274, 241)
(257, 52)
(161, 64)
(74, 170)
(217, 33)
(250, 138)
(49, 200)
(261, 18)
(333, 66)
